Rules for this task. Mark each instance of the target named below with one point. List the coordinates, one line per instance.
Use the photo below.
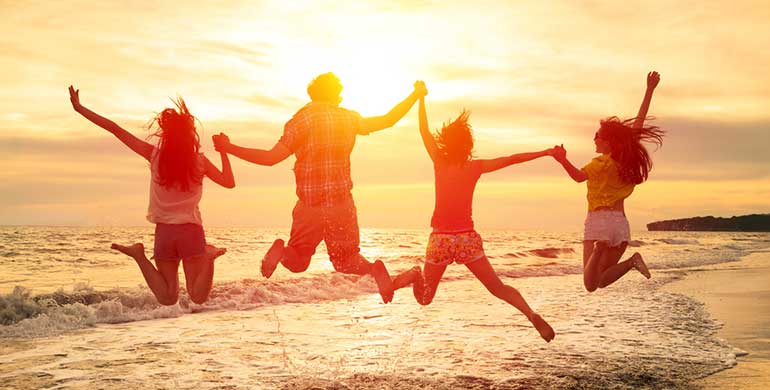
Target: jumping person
(177, 169)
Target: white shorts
(607, 225)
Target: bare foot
(136, 251)
(213, 252)
(640, 265)
(545, 330)
(272, 257)
(384, 283)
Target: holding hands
(221, 142)
(558, 152)
(419, 89)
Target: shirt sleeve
(293, 132)
(592, 168)
(355, 123)
(477, 167)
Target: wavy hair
(455, 139)
(626, 148)
(179, 145)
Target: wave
(678, 241)
(551, 253)
(24, 315)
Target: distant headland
(743, 223)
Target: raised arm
(376, 123)
(652, 81)
(427, 138)
(139, 146)
(494, 164)
(224, 177)
(560, 154)
(278, 153)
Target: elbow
(271, 162)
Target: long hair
(455, 139)
(178, 146)
(634, 162)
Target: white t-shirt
(170, 205)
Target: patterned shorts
(461, 248)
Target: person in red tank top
(453, 238)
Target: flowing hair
(455, 139)
(178, 146)
(634, 162)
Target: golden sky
(532, 73)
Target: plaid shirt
(322, 136)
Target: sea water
(76, 314)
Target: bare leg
(614, 270)
(199, 273)
(272, 258)
(432, 275)
(358, 265)
(484, 272)
(162, 281)
(592, 263)
(406, 278)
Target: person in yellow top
(611, 178)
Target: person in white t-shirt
(177, 169)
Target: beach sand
(738, 295)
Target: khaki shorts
(336, 225)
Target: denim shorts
(178, 241)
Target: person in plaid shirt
(321, 135)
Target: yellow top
(605, 187)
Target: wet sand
(738, 295)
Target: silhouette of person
(321, 135)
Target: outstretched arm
(652, 81)
(278, 153)
(560, 154)
(376, 123)
(139, 146)
(502, 162)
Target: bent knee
(199, 298)
(591, 287)
(297, 266)
(426, 298)
(168, 300)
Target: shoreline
(737, 295)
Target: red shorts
(178, 241)
(336, 225)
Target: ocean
(75, 314)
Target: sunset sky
(533, 74)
